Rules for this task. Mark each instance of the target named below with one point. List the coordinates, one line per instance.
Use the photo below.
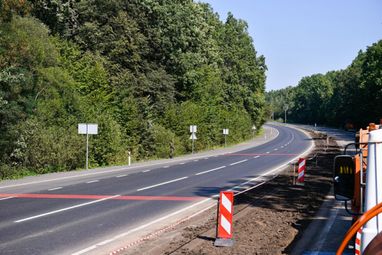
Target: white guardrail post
(373, 194)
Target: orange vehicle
(358, 180)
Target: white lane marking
(196, 160)
(238, 162)
(268, 152)
(166, 166)
(162, 183)
(66, 209)
(85, 250)
(93, 181)
(55, 189)
(206, 158)
(5, 198)
(182, 163)
(215, 169)
(145, 171)
(257, 156)
(276, 149)
(122, 175)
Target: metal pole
(192, 144)
(87, 149)
(225, 140)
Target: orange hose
(358, 224)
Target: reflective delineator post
(301, 171)
(225, 216)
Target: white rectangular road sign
(91, 129)
(193, 136)
(82, 129)
(225, 131)
(193, 129)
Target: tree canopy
(338, 98)
(143, 70)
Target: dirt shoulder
(267, 220)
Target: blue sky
(303, 37)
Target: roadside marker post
(225, 133)
(193, 129)
(225, 216)
(301, 171)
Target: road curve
(70, 215)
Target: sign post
(225, 133)
(193, 129)
(88, 129)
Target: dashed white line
(206, 158)
(182, 163)
(163, 183)
(92, 181)
(256, 156)
(5, 198)
(55, 189)
(196, 160)
(211, 170)
(166, 166)
(238, 162)
(268, 152)
(66, 209)
(122, 175)
(276, 149)
(145, 171)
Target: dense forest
(143, 70)
(349, 98)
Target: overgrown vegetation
(143, 70)
(350, 98)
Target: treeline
(350, 98)
(143, 70)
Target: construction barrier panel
(225, 215)
(301, 171)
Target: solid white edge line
(238, 162)
(215, 169)
(65, 209)
(55, 189)
(5, 198)
(163, 183)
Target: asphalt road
(70, 214)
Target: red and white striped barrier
(301, 171)
(357, 248)
(225, 215)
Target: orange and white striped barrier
(225, 215)
(301, 171)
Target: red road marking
(96, 197)
(261, 154)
